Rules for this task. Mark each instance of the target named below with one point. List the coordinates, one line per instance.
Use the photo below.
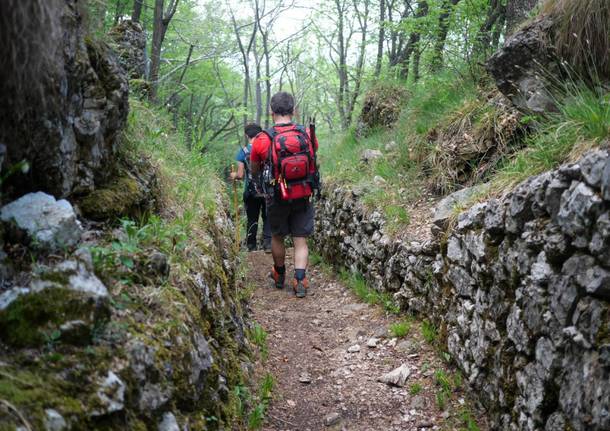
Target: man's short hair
(252, 129)
(282, 103)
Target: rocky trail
(327, 353)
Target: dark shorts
(291, 218)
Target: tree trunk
(381, 37)
(161, 22)
(412, 45)
(155, 50)
(137, 10)
(444, 20)
(495, 14)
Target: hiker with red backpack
(285, 156)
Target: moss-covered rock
(381, 107)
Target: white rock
(397, 377)
(79, 279)
(379, 180)
(49, 223)
(372, 343)
(332, 419)
(369, 155)
(353, 349)
(6, 298)
(168, 423)
(54, 421)
(111, 394)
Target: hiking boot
(251, 247)
(267, 247)
(300, 287)
(278, 279)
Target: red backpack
(292, 157)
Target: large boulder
(520, 65)
(62, 114)
(46, 223)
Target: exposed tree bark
(381, 38)
(443, 29)
(162, 19)
(363, 23)
(412, 44)
(495, 14)
(245, 55)
(137, 10)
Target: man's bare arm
(239, 175)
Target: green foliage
(415, 389)
(468, 421)
(358, 285)
(429, 331)
(401, 329)
(443, 380)
(258, 336)
(582, 122)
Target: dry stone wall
(520, 290)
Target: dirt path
(312, 339)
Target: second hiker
(286, 156)
(254, 200)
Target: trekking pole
(236, 208)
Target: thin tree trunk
(496, 10)
(137, 10)
(161, 22)
(517, 11)
(443, 29)
(381, 37)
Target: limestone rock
(447, 206)
(332, 419)
(111, 395)
(370, 155)
(48, 224)
(397, 377)
(54, 421)
(168, 423)
(70, 134)
(517, 67)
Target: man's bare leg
(278, 250)
(301, 253)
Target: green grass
(358, 285)
(468, 421)
(401, 329)
(258, 336)
(582, 122)
(443, 380)
(415, 389)
(429, 331)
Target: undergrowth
(358, 285)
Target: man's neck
(283, 119)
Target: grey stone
(110, 394)
(519, 207)
(494, 218)
(152, 397)
(158, 264)
(518, 66)
(592, 167)
(168, 423)
(555, 422)
(141, 359)
(353, 349)
(446, 207)
(605, 181)
(78, 278)
(369, 155)
(7, 297)
(552, 198)
(201, 361)
(580, 205)
(332, 419)
(49, 224)
(397, 377)
(472, 218)
(54, 421)
(595, 280)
